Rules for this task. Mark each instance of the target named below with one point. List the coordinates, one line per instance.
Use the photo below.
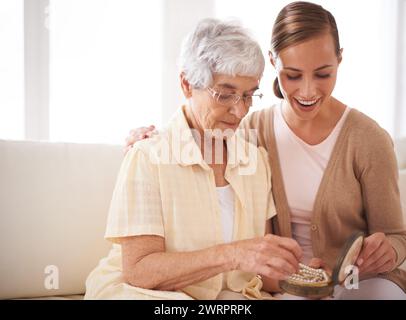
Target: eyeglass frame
(216, 95)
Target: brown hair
(297, 22)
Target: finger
(134, 132)
(142, 133)
(151, 131)
(377, 266)
(140, 136)
(316, 263)
(130, 140)
(374, 257)
(384, 265)
(151, 128)
(281, 265)
(286, 255)
(139, 131)
(293, 247)
(371, 244)
(388, 266)
(286, 243)
(387, 259)
(149, 134)
(272, 273)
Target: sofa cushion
(54, 200)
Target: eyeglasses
(226, 99)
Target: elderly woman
(188, 220)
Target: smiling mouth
(307, 103)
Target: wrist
(227, 252)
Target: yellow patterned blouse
(165, 188)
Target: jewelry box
(316, 283)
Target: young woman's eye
(290, 77)
(323, 76)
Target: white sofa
(54, 199)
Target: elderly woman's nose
(239, 109)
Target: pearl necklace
(308, 275)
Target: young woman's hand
(137, 135)
(318, 263)
(377, 255)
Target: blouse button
(314, 227)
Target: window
(11, 69)
(105, 68)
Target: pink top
(302, 167)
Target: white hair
(223, 47)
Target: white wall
(180, 17)
(400, 121)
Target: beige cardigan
(358, 192)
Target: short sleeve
(135, 208)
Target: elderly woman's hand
(137, 135)
(270, 256)
(377, 255)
